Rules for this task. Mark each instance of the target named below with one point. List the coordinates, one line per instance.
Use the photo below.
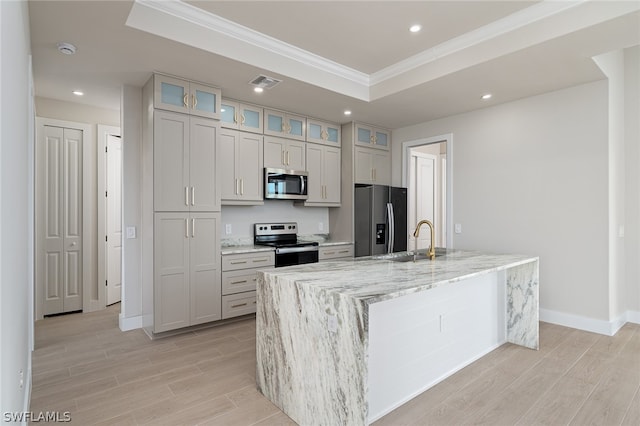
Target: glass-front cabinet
(280, 123)
(237, 115)
(322, 132)
(178, 95)
(372, 137)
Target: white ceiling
(331, 55)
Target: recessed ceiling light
(78, 92)
(415, 28)
(258, 89)
(66, 48)
(347, 112)
(487, 96)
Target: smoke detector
(264, 82)
(66, 48)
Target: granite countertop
(374, 279)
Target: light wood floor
(85, 365)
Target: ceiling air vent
(264, 82)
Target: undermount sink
(408, 256)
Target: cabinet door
(333, 134)
(381, 168)
(295, 156)
(204, 266)
(364, 135)
(205, 101)
(171, 271)
(227, 164)
(274, 123)
(203, 173)
(381, 138)
(363, 166)
(250, 118)
(170, 161)
(274, 152)
(229, 114)
(314, 168)
(296, 127)
(331, 173)
(249, 169)
(315, 131)
(171, 94)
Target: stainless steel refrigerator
(380, 219)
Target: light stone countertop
(374, 279)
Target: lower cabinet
(239, 277)
(339, 251)
(187, 287)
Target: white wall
(242, 218)
(530, 177)
(15, 130)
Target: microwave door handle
(302, 185)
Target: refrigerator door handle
(391, 227)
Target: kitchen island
(346, 342)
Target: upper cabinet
(324, 133)
(323, 166)
(372, 166)
(280, 123)
(184, 162)
(174, 94)
(241, 170)
(285, 154)
(237, 115)
(372, 137)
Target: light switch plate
(458, 228)
(227, 229)
(131, 232)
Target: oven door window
(298, 258)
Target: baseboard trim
(608, 328)
(131, 323)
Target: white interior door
(59, 207)
(114, 219)
(425, 194)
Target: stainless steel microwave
(283, 184)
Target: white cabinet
(372, 137)
(239, 277)
(240, 116)
(280, 123)
(372, 166)
(323, 166)
(241, 168)
(186, 270)
(184, 163)
(178, 95)
(282, 153)
(324, 133)
(338, 251)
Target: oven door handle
(285, 250)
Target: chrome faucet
(432, 251)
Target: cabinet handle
(241, 304)
(239, 282)
(193, 228)
(195, 101)
(375, 139)
(241, 186)
(242, 119)
(193, 195)
(235, 117)
(343, 251)
(259, 260)
(186, 195)
(238, 262)
(186, 228)
(288, 158)
(283, 162)
(329, 253)
(185, 100)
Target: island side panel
(310, 352)
(522, 305)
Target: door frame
(436, 214)
(104, 132)
(88, 304)
(406, 157)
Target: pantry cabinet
(187, 266)
(241, 168)
(240, 116)
(323, 166)
(280, 123)
(184, 163)
(283, 153)
(188, 97)
(372, 166)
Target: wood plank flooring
(85, 365)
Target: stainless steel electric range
(284, 238)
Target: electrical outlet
(320, 226)
(20, 379)
(227, 229)
(131, 232)
(458, 228)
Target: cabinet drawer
(239, 281)
(335, 252)
(233, 262)
(238, 304)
